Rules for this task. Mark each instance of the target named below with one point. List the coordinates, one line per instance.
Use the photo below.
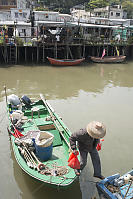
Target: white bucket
(44, 139)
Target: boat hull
(60, 153)
(104, 192)
(65, 62)
(111, 59)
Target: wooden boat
(116, 186)
(65, 62)
(109, 59)
(40, 117)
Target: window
(23, 31)
(4, 2)
(115, 6)
(24, 14)
(46, 15)
(117, 14)
(12, 3)
(16, 14)
(99, 13)
(111, 13)
(96, 30)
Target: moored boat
(109, 59)
(40, 141)
(65, 62)
(116, 186)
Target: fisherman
(87, 140)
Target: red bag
(73, 161)
(72, 156)
(98, 147)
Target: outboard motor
(26, 101)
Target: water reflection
(65, 82)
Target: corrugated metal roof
(94, 25)
(19, 23)
(44, 12)
(50, 23)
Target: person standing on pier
(86, 140)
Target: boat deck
(37, 122)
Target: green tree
(62, 5)
(65, 5)
(114, 2)
(128, 7)
(97, 4)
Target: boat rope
(65, 178)
(55, 171)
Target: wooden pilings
(38, 54)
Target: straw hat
(96, 129)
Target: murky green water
(79, 95)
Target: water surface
(79, 95)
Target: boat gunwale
(62, 184)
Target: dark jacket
(84, 141)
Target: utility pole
(32, 19)
(109, 12)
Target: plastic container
(44, 153)
(44, 145)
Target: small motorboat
(116, 186)
(40, 140)
(109, 59)
(65, 62)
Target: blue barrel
(44, 153)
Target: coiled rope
(55, 170)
